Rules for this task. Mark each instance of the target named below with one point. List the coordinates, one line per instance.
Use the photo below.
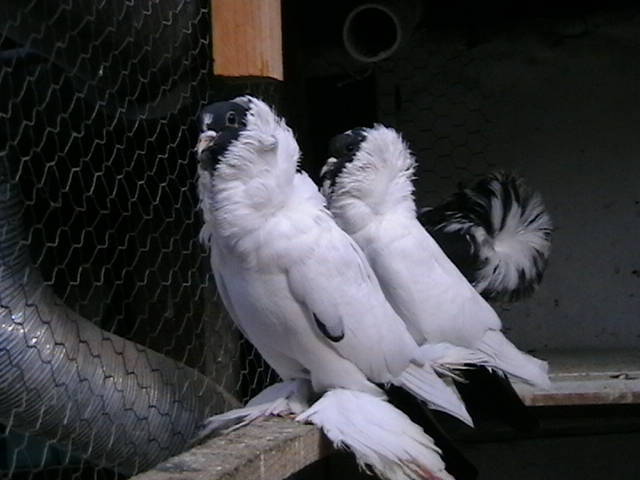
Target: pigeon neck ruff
(253, 179)
(378, 181)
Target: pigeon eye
(350, 148)
(232, 119)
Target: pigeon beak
(205, 140)
(328, 166)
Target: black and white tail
(498, 234)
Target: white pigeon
(368, 183)
(303, 293)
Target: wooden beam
(586, 377)
(270, 449)
(247, 38)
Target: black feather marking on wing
(456, 463)
(490, 396)
(325, 331)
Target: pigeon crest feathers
(252, 176)
(256, 138)
(378, 180)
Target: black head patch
(227, 120)
(343, 148)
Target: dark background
(550, 91)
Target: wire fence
(428, 91)
(113, 345)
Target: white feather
(382, 438)
(507, 358)
(280, 399)
(426, 385)
(447, 359)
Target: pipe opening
(371, 33)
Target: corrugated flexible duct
(118, 404)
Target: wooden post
(247, 38)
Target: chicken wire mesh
(113, 345)
(533, 93)
(100, 220)
(426, 92)
(427, 89)
(100, 237)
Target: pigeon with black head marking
(304, 294)
(368, 184)
(497, 232)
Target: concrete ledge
(270, 449)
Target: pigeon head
(220, 124)
(342, 150)
(247, 153)
(369, 167)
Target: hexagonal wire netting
(113, 345)
(426, 93)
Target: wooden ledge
(588, 378)
(269, 449)
(275, 448)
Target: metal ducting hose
(117, 403)
(373, 31)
